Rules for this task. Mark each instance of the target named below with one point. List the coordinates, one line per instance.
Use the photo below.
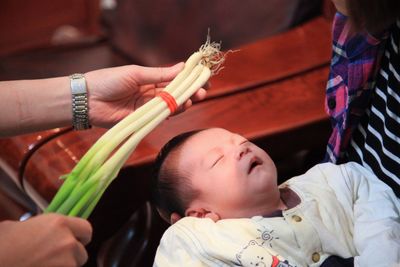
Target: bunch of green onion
(84, 186)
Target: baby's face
(232, 174)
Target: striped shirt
(375, 142)
(362, 98)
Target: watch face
(78, 84)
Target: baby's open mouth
(254, 162)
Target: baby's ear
(195, 212)
(174, 218)
(202, 213)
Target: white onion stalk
(84, 186)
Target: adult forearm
(33, 105)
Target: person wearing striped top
(363, 90)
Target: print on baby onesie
(266, 236)
(255, 254)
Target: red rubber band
(170, 100)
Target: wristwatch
(80, 107)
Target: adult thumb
(149, 75)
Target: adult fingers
(81, 255)
(147, 75)
(186, 105)
(199, 95)
(182, 107)
(81, 229)
(162, 85)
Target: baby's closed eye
(217, 160)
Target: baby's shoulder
(204, 230)
(201, 225)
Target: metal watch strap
(80, 108)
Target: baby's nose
(241, 152)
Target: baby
(235, 214)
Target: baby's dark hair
(171, 190)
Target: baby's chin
(264, 171)
(263, 182)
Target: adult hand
(45, 240)
(116, 92)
